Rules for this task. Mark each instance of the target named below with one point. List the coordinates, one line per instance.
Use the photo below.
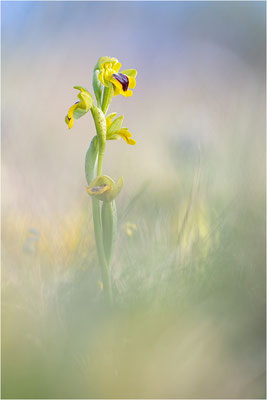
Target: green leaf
(79, 112)
(98, 87)
(91, 160)
(112, 115)
(107, 97)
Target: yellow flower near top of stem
(80, 107)
(109, 75)
(115, 131)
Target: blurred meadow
(189, 267)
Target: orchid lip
(98, 189)
(123, 79)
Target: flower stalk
(107, 83)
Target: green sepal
(114, 137)
(80, 88)
(79, 112)
(91, 160)
(115, 126)
(109, 226)
(112, 115)
(130, 72)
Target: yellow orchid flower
(104, 188)
(121, 81)
(80, 107)
(115, 131)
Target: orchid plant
(108, 81)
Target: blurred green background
(189, 273)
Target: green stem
(102, 147)
(100, 250)
(100, 124)
(109, 225)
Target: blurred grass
(189, 312)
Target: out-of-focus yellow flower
(104, 188)
(130, 229)
(191, 229)
(115, 131)
(121, 81)
(80, 107)
(100, 285)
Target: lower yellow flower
(115, 131)
(80, 107)
(121, 81)
(104, 188)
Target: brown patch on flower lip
(123, 79)
(99, 189)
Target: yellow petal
(132, 82)
(116, 67)
(69, 116)
(131, 141)
(116, 91)
(109, 63)
(71, 110)
(126, 135)
(103, 60)
(125, 131)
(101, 77)
(128, 93)
(108, 122)
(69, 121)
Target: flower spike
(108, 81)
